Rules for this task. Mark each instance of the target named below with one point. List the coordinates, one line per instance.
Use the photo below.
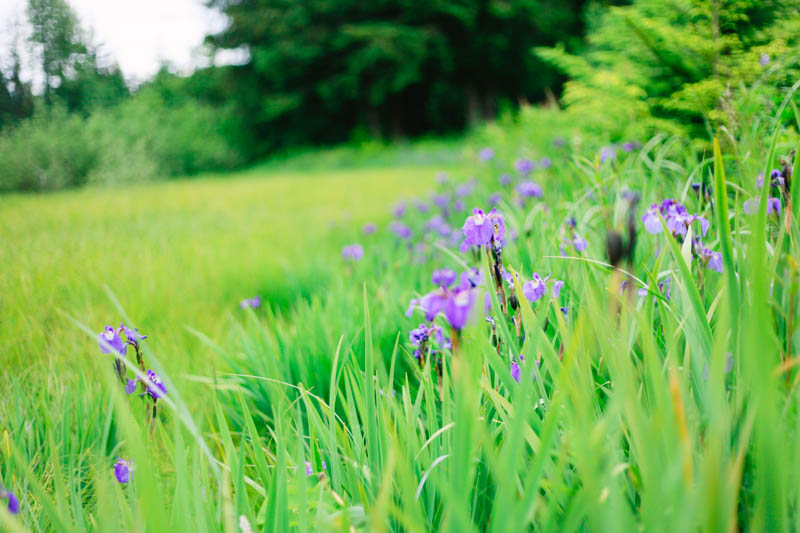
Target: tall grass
(633, 412)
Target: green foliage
(328, 71)
(673, 66)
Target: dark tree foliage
(16, 96)
(329, 70)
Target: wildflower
(132, 334)
(443, 277)
(486, 154)
(465, 189)
(629, 146)
(764, 60)
(546, 163)
(495, 198)
(776, 178)
(400, 229)
(399, 209)
(353, 252)
(505, 179)
(712, 259)
(515, 371)
(441, 178)
(432, 303)
(477, 229)
(459, 205)
(421, 206)
(534, 289)
(579, 242)
(369, 228)
(557, 285)
(675, 214)
(470, 278)
(110, 341)
(774, 204)
(309, 470)
(13, 502)
(559, 142)
(529, 189)
(157, 389)
(524, 166)
(458, 307)
(130, 386)
(607, 154)
(750, 206)
(123, 470)
(254, 302)
(441, 200)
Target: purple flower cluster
(486, 154)
(454, 301)
(675, 214)
(123, 470)
(537, 287)
(353, 252)
(481, 229)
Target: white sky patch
(139, 35)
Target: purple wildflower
(774, 204)
(123, 470)
(557, 285)
(132, 334)
(400, 229)
(441, 200)
(750, 206)
(607, 154)
(676, 216)
(110, 341)
(157, 389)
(764, 60)
(524, 166)
(477, 229)
(433, 303)
(515, 371)
(369, 228)
(459, 205)
(629, 146)
(505, 179)
(458, 307)
(130, 386)
(760, 180)
(438, 225)
(546, 163)
(486, 154)
(13, 502)
(254, 302)
(465, 189)
(353, 252)
(441, 178)
(579, 242)
(470, 278)
(534, 289)
(443, 277)
(399, 210)
(495, 198)
(309, 470)
(421, 206)
(529, 189)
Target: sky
(138, 34)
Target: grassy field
(615, 348)
(175, 255)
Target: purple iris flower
(534, 289)
(607, 154)
(776, 178)
(254, 302)
(443, 277)
(774, 204)
(309, 470)
(764, 60)
(132, 334)
(400, 229)
(369, 228)
(505, 179)
(157, 389)
(459, 205)
(353, 252)
(515, 371)
(438, 225)
(628, 146)
(480, 228)
(458, 307)
(399, 210)
(470, 278)
(130, 386)
(546, 163)
(421, 206)
(465, 189)
(557, 286)
(123, 470)
(486, 154)
(432, 303)
(524, 166)
(760, 180)
(579, 242)
(13, 502)
(529, 189)
(750, 206)
(419, 335)
(441, 200)
(110, 341)
(495, 198)
(676, 216)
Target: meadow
(556, 333)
